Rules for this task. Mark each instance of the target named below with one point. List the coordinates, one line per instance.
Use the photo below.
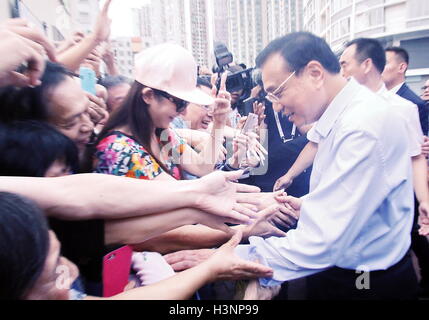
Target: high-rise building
(167, 21)
(137, 20)
(245, 26)
(221, 21)
(58, 19)
(122, 49)
(199, 31)
(144, 22)
(83, 14)
(402, 23)
(254, 23)
(184, 22)
(146, 26)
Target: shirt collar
(382, 90)
(396, 89)
(336, 108)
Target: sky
(120, 12)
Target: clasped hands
(275, 208)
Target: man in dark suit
(397, 60)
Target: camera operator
(238, 93)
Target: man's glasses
(274, 97)
(180, 104)
(425, 87)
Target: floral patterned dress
(121, 155)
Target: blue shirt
(359, 212)
(178, 123)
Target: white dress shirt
(395, 89)
(359, 212)
(410, 113)
(406, 109)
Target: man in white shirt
(364, 59)
(394, 74)
(359, 212)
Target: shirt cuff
(249, 253)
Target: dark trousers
(398, 282)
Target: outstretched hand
(226, 265)
(283, 183)
(223, 262)
(219, 194)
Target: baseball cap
(171, 68)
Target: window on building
(84, 17)
(417, 8)
(369, 19)
(341, 28)
(338, 5)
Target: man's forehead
(70, 100)
(348, 53)
(274, 72)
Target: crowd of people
(166, 186)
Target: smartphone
(88, 80)
(251, 123)
(116, 271)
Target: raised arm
(304, 160)
(73, 57)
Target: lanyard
(280, 129)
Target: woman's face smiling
(199, 116)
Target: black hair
(367, 48)
(401, 52)
(298, 49)
(32, 103)
(113, 81)
(134, 113)
(203, 82)
(24, 245)
(29, 148)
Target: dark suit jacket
(281, 157)
(406, 93)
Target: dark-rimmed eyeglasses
(274, 97)
(180, 104)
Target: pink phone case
(116, 270)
